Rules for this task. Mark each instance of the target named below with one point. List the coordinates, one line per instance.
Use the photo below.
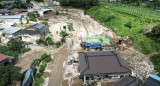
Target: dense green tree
(85, 4)
(32, 16)
(9, 74)
(15, 44)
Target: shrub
(58, 44)
(3, 49)
(156, 61)
(57, 13)
(39, 41)
(38, 80)
(25, 50)
(45, 23)
(70, 26)
(156, 30)
(63, 33)
(63, 40)
(42, 67)
(49, 40)
(46, 57)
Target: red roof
(2, 57)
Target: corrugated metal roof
(2, 57)
(11, 17)
(4, 26)
(11, 30)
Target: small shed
(64, 27)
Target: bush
(58, 44)
(156, 61)
(63, 33)
(70, 26)
(63, 40)
(3, 49)
(25, 50)
(39, 41)
(38, 80)
(57, 13)
(42, 67)
(45, 23)
(46, 57)
(49, 40)
(156, 30)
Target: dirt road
(57, 74)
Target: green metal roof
(103, 40)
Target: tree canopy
(15, 44)
(85, 4)
(9, 74)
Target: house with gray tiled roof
(34, 32)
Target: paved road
(56, 77)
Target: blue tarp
(92, 45)
(87, 44)
(155, 77)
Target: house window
(115, 76)
(25, 37)
(64, 27)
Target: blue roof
(155, 77)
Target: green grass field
(129, 20)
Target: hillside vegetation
(129, 21)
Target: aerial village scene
(79, 42)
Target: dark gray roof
(152, 82)
(128, 81)
(104, 62)
(39, 28)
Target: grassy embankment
(129, 21)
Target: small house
(64, 27)
(5, 60)
(102, 64)
(33, 32)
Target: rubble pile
(139, 63)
